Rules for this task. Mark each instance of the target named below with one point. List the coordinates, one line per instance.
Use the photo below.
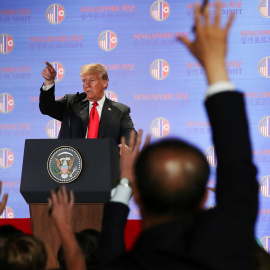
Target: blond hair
(95, 69)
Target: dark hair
(8, 232)
(26, 252)
(156, 200)
(92, 234)
(88, 241)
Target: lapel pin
(109, 109)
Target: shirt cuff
(47, 87)
(219, 87)
(121, 194)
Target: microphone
(78, 98)
(81, 96)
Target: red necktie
(93, 122)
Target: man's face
(93, 86)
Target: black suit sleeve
(236, 188)
(49, 106)
(126, 125)
(112, 243)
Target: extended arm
(116, 211)
(236, 188)
(228, 119)
(49, 106)
(61, 214)
(47, 103)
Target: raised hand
(48, 74)
(129, 155)
(61, 206)
(210, 44)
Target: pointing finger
(48, 64)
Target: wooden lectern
(99, 174)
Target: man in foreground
(89, 114)
(170, 178)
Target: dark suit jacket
(222, 238)
(115, 120)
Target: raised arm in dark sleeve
(49, 106)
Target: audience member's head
(88, 241)
(25, 252)
(92, 234)
(171, 177)
(8, 232)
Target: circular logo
(107, 40)
(160, 69)
(160, 127)
(264, 126)
(263, 67)
(264, 186)
(111, 95)
(53, 128)
(60, 70)
(6, 103)
(160, 10)
(6, 43)
(265, 243)
(64, 164)
(210, 155)
(6, 158)
(7, 213)
(264, 8)
(55, 14)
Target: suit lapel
(105, 118)
(84, 111)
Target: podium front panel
(100, 169)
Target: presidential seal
(64, 164)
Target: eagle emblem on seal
(64, 164)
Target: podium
(48, 164)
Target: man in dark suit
(169, 183)
(74, 110)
